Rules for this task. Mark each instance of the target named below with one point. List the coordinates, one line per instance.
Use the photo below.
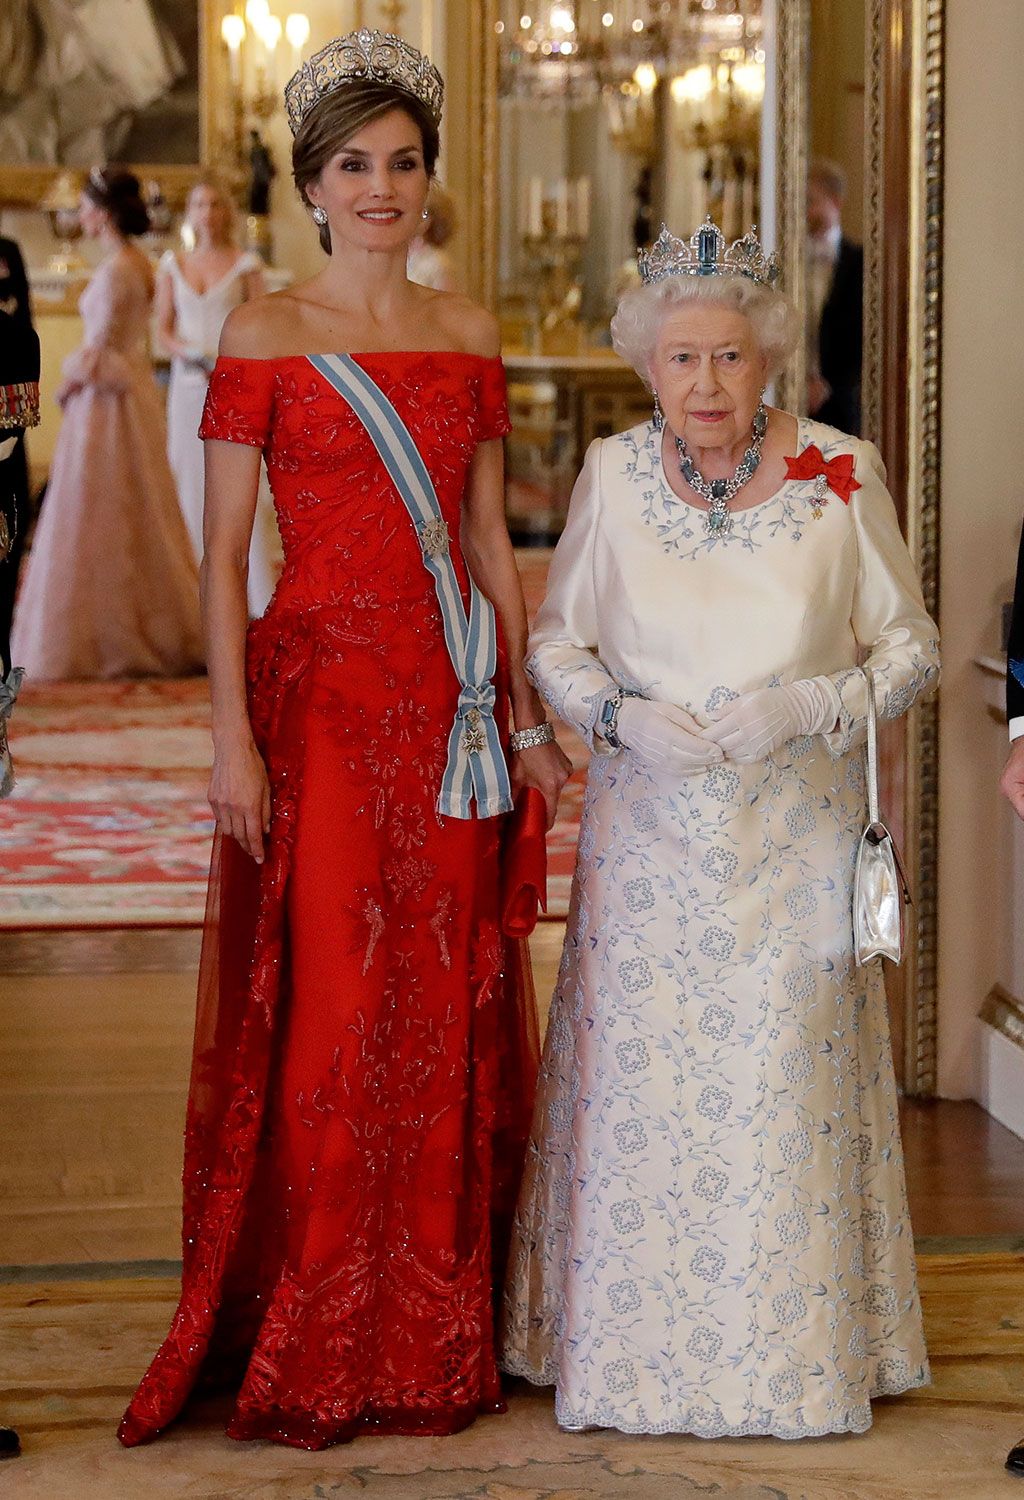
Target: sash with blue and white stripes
(475, 768)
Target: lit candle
(583, 207)
(730, 206)
(232, 30)
(562, 209)
(749, 199)
(256, 12)
(270, 33)
(296, 29)
(535, 209)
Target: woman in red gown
(363, 1056)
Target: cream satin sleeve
(890, 622)
(562, 660)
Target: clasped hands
(746, 730)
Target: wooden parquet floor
(96, 1036)
(71, 1350)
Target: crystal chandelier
(580, 49)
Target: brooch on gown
(835, 474)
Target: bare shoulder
(255, 328)
(467, 324)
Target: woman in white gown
(712, 1234)
(195, 293)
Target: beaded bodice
(342, 524)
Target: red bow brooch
(835, 474)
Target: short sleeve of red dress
(239, 402)
(492, 420)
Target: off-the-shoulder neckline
(278, 359)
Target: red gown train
(365, 1049)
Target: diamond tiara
(373, 56)
(706, 253)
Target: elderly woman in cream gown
(712, 1235)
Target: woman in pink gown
(111, 587)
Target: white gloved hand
(665, 738)
(757, 724)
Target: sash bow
(475, 775)
(837, 472)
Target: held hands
(666, 738)
(754, 726)
(240, 795)
(545, 767)
(1012, 781)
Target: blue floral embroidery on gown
(713, 1234)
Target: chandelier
(582, 49)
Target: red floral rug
(108, 824)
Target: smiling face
(709, 372)
(374, 188)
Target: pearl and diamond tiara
(363, 56)
(706, 253)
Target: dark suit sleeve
(841, 340)
(1015, 645)
(17, 283)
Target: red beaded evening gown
(364, 1050)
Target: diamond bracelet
(525, 739)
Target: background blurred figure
(835, 303)
(19, 408)
(195, 292)
(429, 262)
(111, 588)
(20, 348)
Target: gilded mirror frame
(903, 188)
(26, 186)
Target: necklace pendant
(719, 517)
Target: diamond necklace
(718, 492)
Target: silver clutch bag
(879, 885)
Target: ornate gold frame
(902, 365)
(25, 187)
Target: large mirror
(819, 119)
(655, 108)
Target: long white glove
(757, 724)
(665, 738)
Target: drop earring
(425, 214)
(319, 216)
(657, 416)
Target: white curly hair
(642, 310)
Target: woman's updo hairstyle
(120, 193)
(339, 116)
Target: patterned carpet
(109, 826)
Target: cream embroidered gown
(712, 1234)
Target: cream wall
(982, 506)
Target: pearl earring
(319, 216)
(657, 416)
(425, 214)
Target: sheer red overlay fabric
(365, 1042)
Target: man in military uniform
(19, 409)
